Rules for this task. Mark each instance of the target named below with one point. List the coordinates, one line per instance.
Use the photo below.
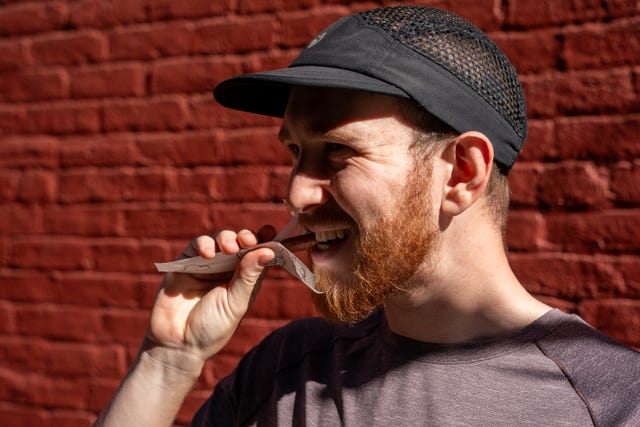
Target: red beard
(387, 255)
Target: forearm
(153, 391)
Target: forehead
(320, 110)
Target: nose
(306, 192)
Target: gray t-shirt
(558, 371)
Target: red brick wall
(113, 155)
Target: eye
(294, 149)
(341, 150)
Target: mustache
(326, 216)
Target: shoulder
(603, 371)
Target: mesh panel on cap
(462, 49)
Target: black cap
(440, 60)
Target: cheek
(366, 200)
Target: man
(402, 124)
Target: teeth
(325, 236)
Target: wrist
(174, 364)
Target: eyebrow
(335, 134)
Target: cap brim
(267, 93)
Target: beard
(387, 254)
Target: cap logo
(316, 40)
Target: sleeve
(604, 372)
(218, 410)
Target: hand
(197, 314)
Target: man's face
(356, 184)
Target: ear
(471, 157)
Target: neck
(471, 295)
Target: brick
(625, 183)
(568, 276)
(526, 231)
(131, 256)
(282, 299)
(540, 144)
(250, 332)
(96, 289)
(80, 324)
(190, 75)
(108, 81)
(524, 179)
(230, 185)
(595, 91)
(191, 405)
(600, 45)
(299, 28)
(32, 17)
(620, 8)
(150, 41)
(583, 186)
(618, 318)
(14, 54)
(564, 305)
(157, 114)
(629, 268)
(533, 13)
(76, 185)
(260, 61)
(85, 360)
(531, 51)
(113, 184)
(44, 252)
(607, 231)
(72, 418)
(13, 119)
(278, 183)
(603, 138)
(21, 219)
(222, 364)
(540, 94)
(484, 14)
(149, 283)
(207, 114)
(167, 9)
(219, 36)
(33, 86)
(101, 14)
(248, 215)
(38, 390)
(124, 326)
(114, 149)
(64, 118)
(78, 47)
(249, 7)
(9, 181)
(37, 186)
(183, 220)
(7, 319)
(101, 390)
(36, 151)
(253, 146)
(580, 92)
(195, 185)
(85, 220)
(23, 415)
(25, 286)
(183, 149)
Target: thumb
(247, 278)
